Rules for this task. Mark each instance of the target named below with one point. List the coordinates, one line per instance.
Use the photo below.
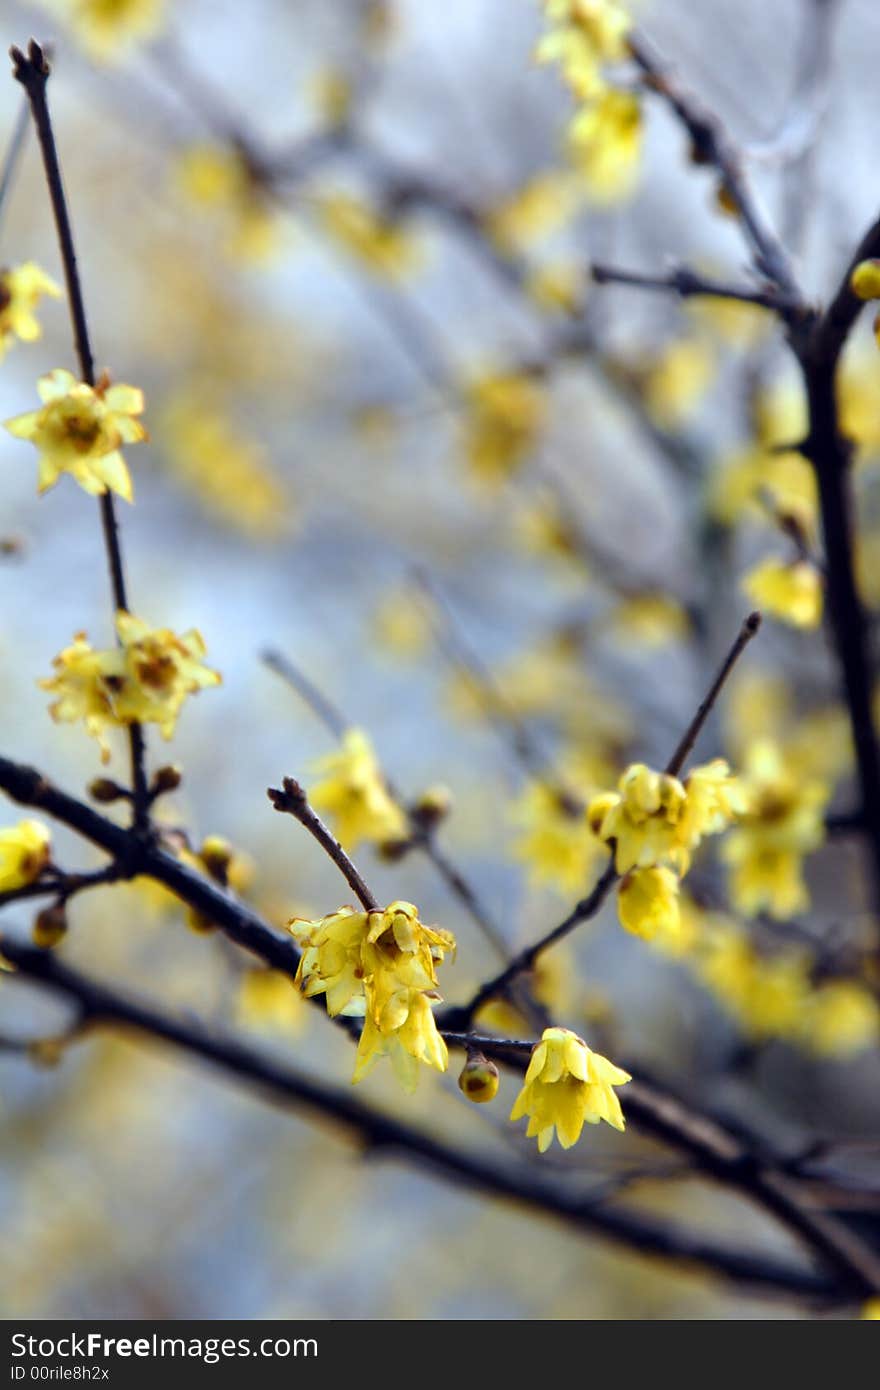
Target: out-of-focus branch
(687, 284)
(840, 1283)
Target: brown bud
(105, 790)
(50, 926)
(479, 1079)
(432, 807)
(166, 779)
(392, 851)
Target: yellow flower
(504, 418)
(144, 680)
(556, 842)
(381, 246)
(647, 903)
(541, 205)
(766, 995)
(677, 380)
(402, 624)
(382, 965)
(24, 854)
(650, 620)
(566, 1085)
(20, 293)
(79, 430)
(227, 472)
(221, 178)
(842, 1017)
(790, 592)
(784, 822)
(758, 477)
(605, 142)
(354, 794)
(267, 999)
(107, 28)
(582, 36)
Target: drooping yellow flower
(24, 854)
(107, 29)
(80, 429)
(504, 417)
(144, 680)
(354, 794)
(605, 144)
(555, 841)
(228, 473)
(21, 289)
(566, 1086)
(647, 903)
(221, 178)
(784, 821)
(383, 247)
(791, 592)
(381, 965)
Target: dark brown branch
(292, 800)
(749, 629)
(381, 1133)
(33, 73)
(687, 284)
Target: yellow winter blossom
(21, 289)
(144, 680)
(222, 178)
(567, 1085)
(766, 995)
(107, 29)
(582, 36)
(605, 144)
(504, 417)
(24, 854)
(789, 591)
(676, 381)
(382, 246)
(653, 818)
(555, 841)
(542, 205)
(865, 280)
(79, 430)
(381, 965)
(739, 324)
(769, 475)
(650, 620)
(402, 624)
(857, 402)
(842, 1017)
(784, 821)
(228, 473)
(647, 903)
(353, 793)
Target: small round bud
(199, 923)
(167, 779)
(105, 790)
(432, 807)
(865, 280)
(392, 851)
(50, 926)
(479, 1079)
(216, 854)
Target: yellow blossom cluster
(503, 419)
(566, 1086)
(381, 966)
(145, 679)
(791, 591)
(107, 29)
(24, 854)
(353, 792)
(21, 289)
(654, 822)
(223, 180)
(80, 429)
(585, 37)
(555, 840)
(381, 246)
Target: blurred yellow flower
(566, 1086)
(354, 794)
(788, 591)
(504, 416)
(582, 36)
(267, 999)
(650, 620)
(24, 854)
(541, 205)
(676, 381)
(605, 144)
(381, 246)
(555, 841)
(79, 430)
(21, 289)
(221, 178)
(842, 1017)
(107, 29)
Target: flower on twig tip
(355, 796)
(79, 429)
(24, 854)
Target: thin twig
(292, 800)
(687, 284)
(33, 73)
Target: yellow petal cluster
(566, 1086)
(24, 854)
(353, 792)
(783, 822)
(503, 419)
(791, 592)
(382, 966)
(647, 903)
(144, 680)
(107, 29)
(555, 840)
(80, 430)
(21, 289)
(381, 246)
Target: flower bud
(50, 926)
(865, 280)
(105, 790)
(432, 807)
(479, 1079)
(166, 779)
(216, 855)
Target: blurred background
(370, 452)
